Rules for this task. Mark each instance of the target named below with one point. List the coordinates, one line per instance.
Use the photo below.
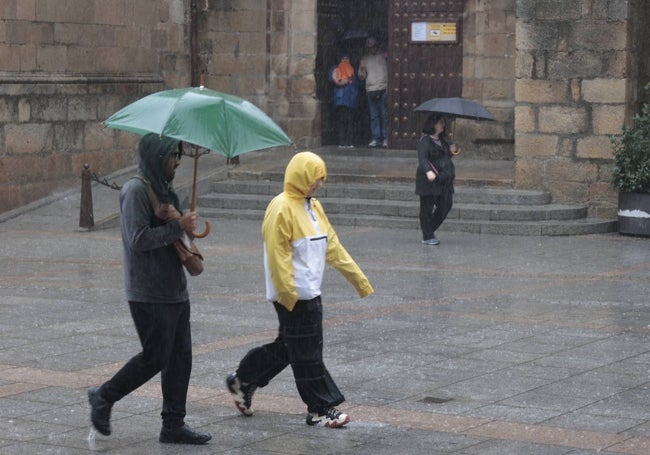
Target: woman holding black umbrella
(434, 178)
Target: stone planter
(634, 213)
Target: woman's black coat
(440, 157)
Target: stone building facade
(580, 72)
(66, 65)
(561, 76)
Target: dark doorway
(343, 25)
(417, 71)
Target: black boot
(100, 411)
(183, 435)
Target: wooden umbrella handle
(193, 200)
(453, 130)
(204, 233)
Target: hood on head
(154, 151)
(302, 172)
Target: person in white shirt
(374, 70)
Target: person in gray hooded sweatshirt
(156, 289)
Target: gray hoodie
(152, 271)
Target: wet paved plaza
(484, 345)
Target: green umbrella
(217, 121)
(203, 117)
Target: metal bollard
(86, 217)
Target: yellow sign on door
(434, 32)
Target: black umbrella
(456, 107)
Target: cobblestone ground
(484, 345)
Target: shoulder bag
(188, 253)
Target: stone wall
(639, 47)
(488, 77)
(573, 89)
(264, 50)
(66, 65)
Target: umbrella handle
(453, 130)
(193, 200)
(204, 233)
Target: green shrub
(631, 171)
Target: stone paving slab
(485, 345)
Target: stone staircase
(373, 187)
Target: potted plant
(631, 174)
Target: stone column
(304, 120)
(264, 51)
(572, 89)
(488, 77)
(292, 52)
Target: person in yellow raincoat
(298, 241)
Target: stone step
(407, 209)
(531, 228)
(370, 187)
(482, 195)
(397, 167)
(333, 153)
(484, 150)
(353, 177)
(495, 212)
(394, 192)
(480, 149)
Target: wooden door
(419, 69)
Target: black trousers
(299, 344)
(344, 124)
(164, 332)
(433, 211)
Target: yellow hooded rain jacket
(299, 239)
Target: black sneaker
(183, 435)
(100, 411)
(329, 417)
(242, 394)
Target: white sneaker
(385, 143)
(374, 143)
(329, 417)
(242, 394)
